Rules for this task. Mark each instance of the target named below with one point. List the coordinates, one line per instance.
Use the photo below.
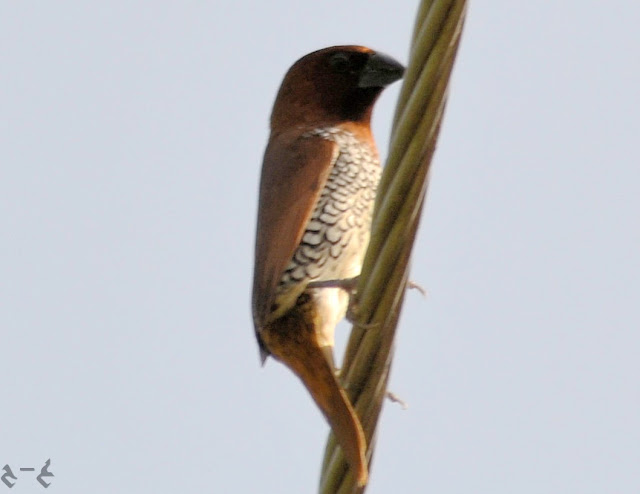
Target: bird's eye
(339, 62)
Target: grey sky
(130, 150)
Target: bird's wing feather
(295, 170)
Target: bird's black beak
(380, 71)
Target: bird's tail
(292, 340)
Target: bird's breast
(337, 234)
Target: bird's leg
(347, 284)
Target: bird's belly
(336, 236)
(323, 262)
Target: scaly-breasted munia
(319, 178)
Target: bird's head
(333, 85)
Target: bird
(317, 189)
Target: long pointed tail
(292, 340)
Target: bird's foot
(352, 317)
(412, 285)
(396, 399)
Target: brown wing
(294, 172)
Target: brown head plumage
(333, 85)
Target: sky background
(131, 140)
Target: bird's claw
(412, 285)
(396, 399)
